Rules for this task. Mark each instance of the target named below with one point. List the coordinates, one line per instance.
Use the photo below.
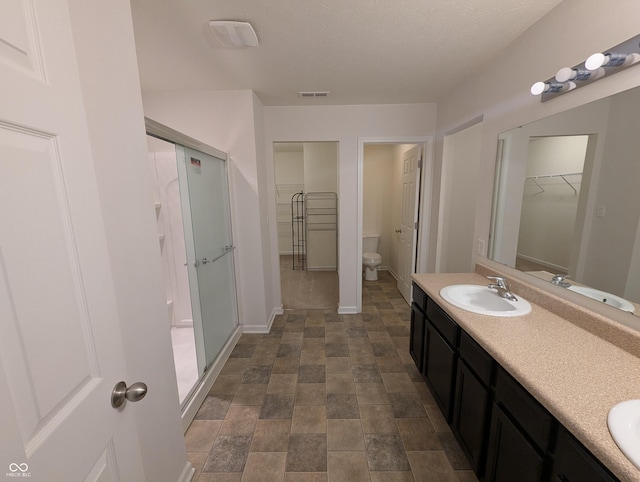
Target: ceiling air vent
(321, 93)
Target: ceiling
(362, 51)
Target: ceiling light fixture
(597, 60)
(232, 34)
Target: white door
(408, 231)
(60, 347)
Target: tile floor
(326, 397)
(303, 289)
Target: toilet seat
(371, 257)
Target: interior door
(206, 216)
(60, 347)
(408, 228)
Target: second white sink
(604, 297)
(624, 425)
(484, 301)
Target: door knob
(133, 393)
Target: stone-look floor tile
(309, 419)
(453, 451)
(201, 434)
(235, 366)
(313, 357)
(271, 436)
(378, 419)
(219, 477)
(418, 434)
(392, 477)
(340, 383)
(311, 374)
(344, 435)
(225, 385)
(333, 350)
(289, 351)
(380, 337)
(214, 407)
(276, 406)
(242, 351)
(366, 373)
(313, 344)
(311, 394)
(307, 453)
(337, 337)
(256, 374)
(263, 466)
(386, 452)
(338, 365)
(397, 330)
(282, 383)
(376, 329)
(391, 364)
(347, 466)
(401, 342)
(341, 405)
(294, 327)
(285, 365)
(466, 476)
(407, 405)
(398, 383)
(413, 373)
(314, 331)
(371, 394)
(305, 477)
(431, 465)
(228, 454)
(263, 358)
(292, 339)
(240, 420)
(249, 394)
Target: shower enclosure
(198, 255)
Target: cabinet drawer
(445, 325)
(532, 417)
(419, 298)
(478, 360)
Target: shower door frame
(206, 380)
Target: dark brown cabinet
(505, 433)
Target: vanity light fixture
(597, 66)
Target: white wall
(500, 91)
(344, 124)
(111, 91)
(459, 184)
(231, 121)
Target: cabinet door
(511, 457)
(416, 339)
(573, 463)
(440, 369)
(471, 407)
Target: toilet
(370, 258)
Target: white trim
(206, 382)
(187, 473)
(426, 188)
(155, 129)
(263, 328)
(349, 310)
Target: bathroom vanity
(527, 397)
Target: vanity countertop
(575, 374)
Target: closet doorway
(306, 185)
(196, 245)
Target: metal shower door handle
(133, 393)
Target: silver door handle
(206, 260)
(133, 393)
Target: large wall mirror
(567, 200)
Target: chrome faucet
(559, 280)
(504, 290)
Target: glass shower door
(209, 247)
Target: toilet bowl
(370, 263)
(370, 258)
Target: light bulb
(539, 87)
(567, 73)
(597, 60)
(542, 87)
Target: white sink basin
(483, 300)
(603, 296)
(624, 425)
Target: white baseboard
(347, 310)
(542, 262)
(209, 378)
(187, 473)
(183, 324)
(263, 328)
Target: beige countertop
(575, 374)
